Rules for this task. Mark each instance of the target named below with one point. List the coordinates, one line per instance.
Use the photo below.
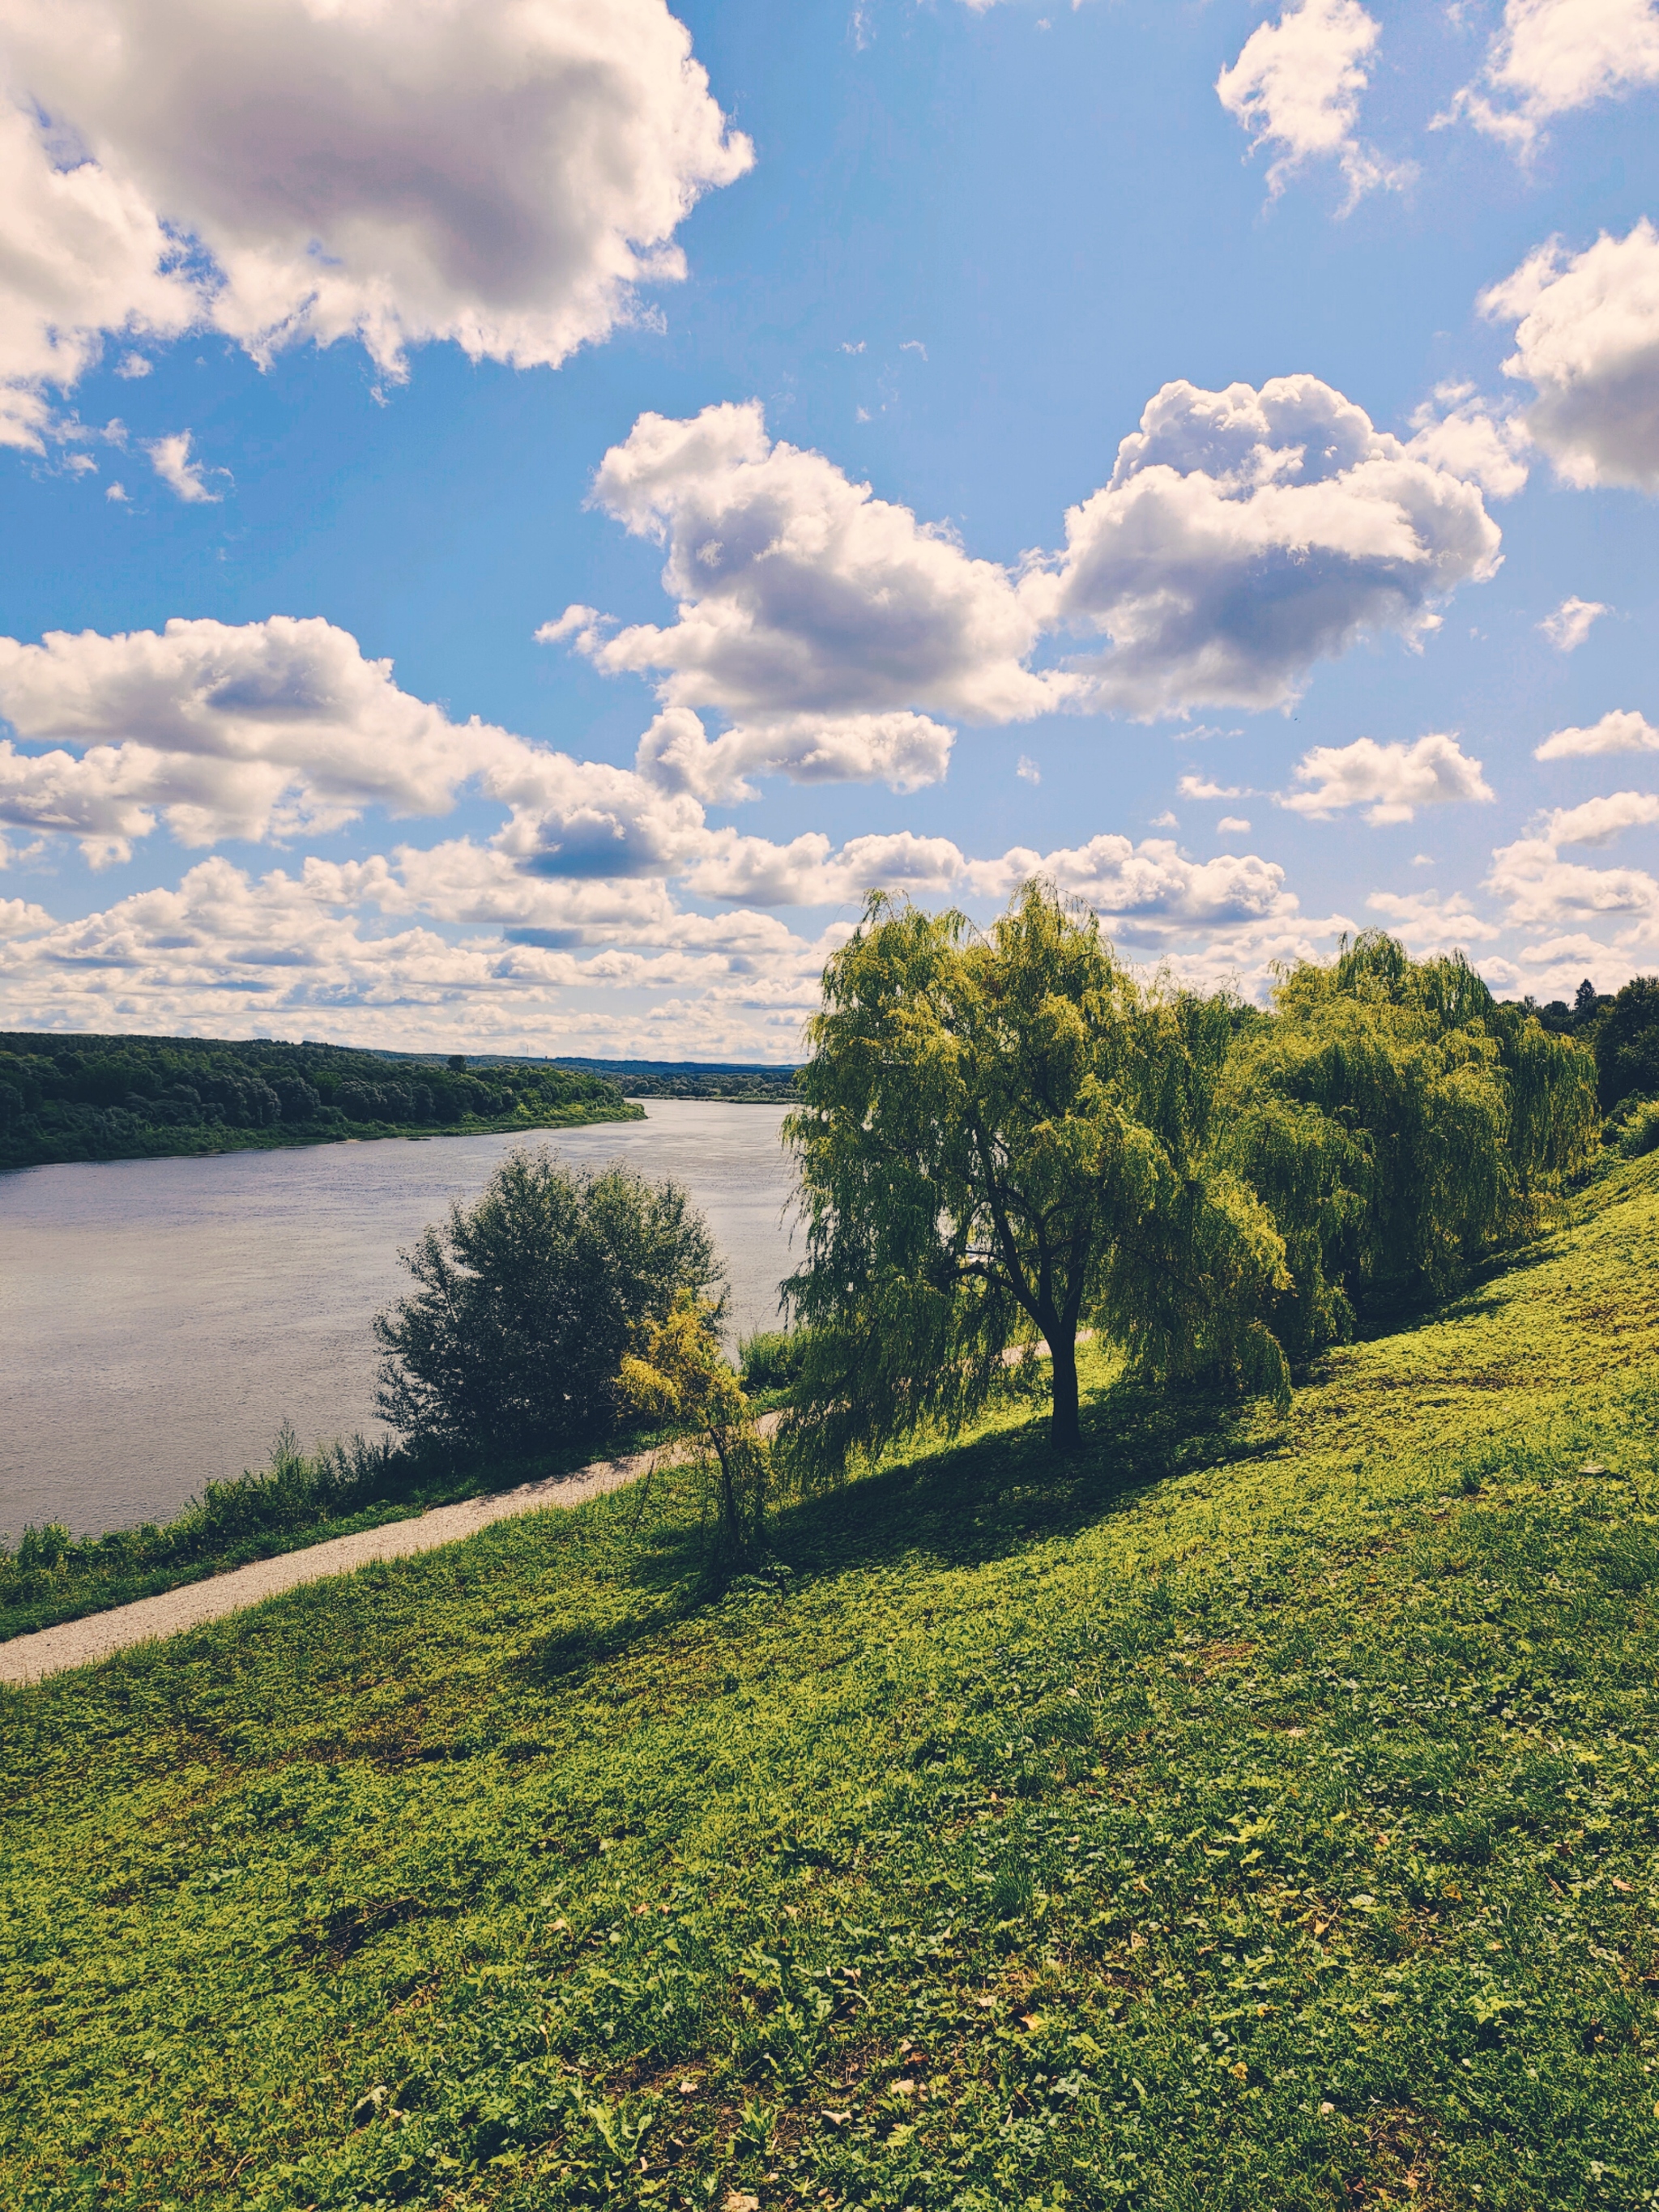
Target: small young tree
(525, 1303)
(676, 1372)
(1001, 1137)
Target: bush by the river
(527, 1300)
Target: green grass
(1243, 1815)
(50, 1577)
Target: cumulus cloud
(1296, 87)
(810, 613)
(81, 253)
(1150, 894)
(224, 730)
(1571, 624)
(1587, 340)
(1621, 731)
(901, 750)
(1459, 431)
(1389, 782)
(171, 459)
(1542, 891)
(276, 953)
(1598, 821)
(505, 177)
(1430, 924)
(1554, 56)
(1245, 535)
(18, 918)
(1233, 826)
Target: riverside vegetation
(1249, 1809)
(1214, 1793)
(66, 1098)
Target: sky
(515, 516)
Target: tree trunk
(1064, 1433)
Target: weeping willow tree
(1398, 1124)
(1001, 1138)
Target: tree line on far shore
(70, 1097)
(1003, 1138)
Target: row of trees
(1005, 1134)
(1002, 1137)
(110, 1098)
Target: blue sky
(451, 318)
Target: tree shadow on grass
(965, 1504)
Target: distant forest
(66, 1097)
(689, 1078)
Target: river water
(160, 1318)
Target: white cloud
(1027, 769)
(506, 178)
(1390, 781)
(1587, 338)
(1245, 535)
(1554, 56)
(19, 919)
(1232, 825)
(1621, 731)
(1598, 821)
(804, 605)
(171, 459)
(224, 730)
(1544, 891)
(901, 750)
(584, 818)
(1429, 924)
(1206, 787)
(116, 491)
(1458, 431)
(809, 871)
(1149, 894)
(276, 954)
(1296, 87)
(1569, 625)
(81, 253)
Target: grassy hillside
(1241, 1815)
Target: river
(160, 1318)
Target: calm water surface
(160, 1318)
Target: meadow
(1247, 1810)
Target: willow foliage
(1398, 1123)
(1002, 1137)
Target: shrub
(527, 1300)
(1640, 1134)
(769, 1359)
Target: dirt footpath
(82, 1643)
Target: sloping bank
(1243, 1814)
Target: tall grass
(52, 1575)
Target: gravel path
(82, 1643)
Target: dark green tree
(527, 1302)
(1627, 1044)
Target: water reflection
(160, 1318)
